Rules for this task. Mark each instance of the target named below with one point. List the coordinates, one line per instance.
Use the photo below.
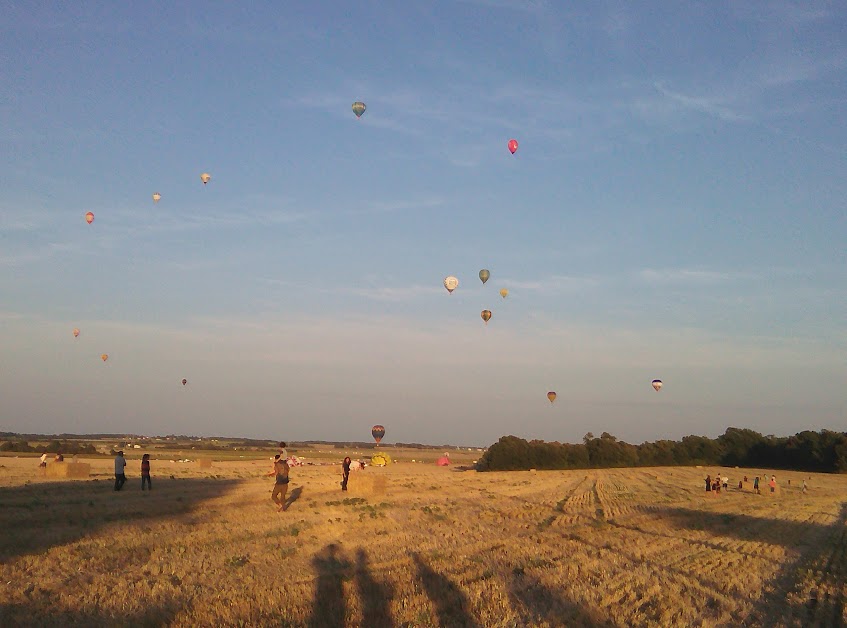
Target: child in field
(756, 486)
(345, 473)
(145, 472)
(772, 483)
(281, 470)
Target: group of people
(59, 458)
(713, 485)
(120, 472)
(281, 472)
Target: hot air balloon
(504, 292)
(486, 315)
(451, 283)
(657, 384)
(377, 431)
(89, 217)
(359, 108)
(484, 275)
(513, 146)
(551, 396)
(104, 357)
(184, 381)
(76, 333)
(205, 178)
(156, 197)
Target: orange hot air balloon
(104, 357)
(76, 333)
(513, 146)
(486, 315)
(205, 178)
(551, 396)
(89, 217)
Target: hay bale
(533, 471)
(69, 470)
(204, 463)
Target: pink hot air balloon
(513, 146)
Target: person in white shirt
(120, 466)
(43, 460)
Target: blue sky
(675, 210)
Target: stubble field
(419, 545)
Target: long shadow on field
(328, 607)
(295, 495)
(451, 604)
(822, 549)
(535, 602)
(43, 610)
(376, 596)
(36, 517)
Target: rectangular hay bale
(204, 463)
(69, 470)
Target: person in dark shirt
(145, 472)
(345, 473)
(281, 470)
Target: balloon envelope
(205, 178)
(443, 461)
(359, 108)
(76, 333)
(484, 275)
(378, 432)
(157, 197)
(513, 146)
(551, 396)
(104, 357)
(451, 283)
(657, 384)
(89, 217)
(486, 315)
(184, 382)
(504, 292)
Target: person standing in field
(804, 485)
(772, 483)
(708, 483)
(281, 470)
(120, 467)
(145, 472)
(345, 473)
(725, 481)
(756, 485)
(43, 460)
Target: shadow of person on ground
(535, 602)
(451, 603)
(293, 497)
(328, 607)
(375, 596)
(36, 517)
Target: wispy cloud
(709, 106)
(685, 276)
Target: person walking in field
(43, 460)
(145, 472)
(281, 470)
(725, 481)
(772, 483)
(756, 485)
(345, 473)
(120, 468)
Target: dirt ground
(414, 544)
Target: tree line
(823, 452)
(54, 446)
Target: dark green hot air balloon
(484, 275)
(359, 108)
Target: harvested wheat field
(419, 545)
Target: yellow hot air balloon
(486, 315)
(359, 108)
(205, 178)
(504, 292)
(76, 333)
(156, 197)
(451, 283)
(104, 357)
(551, 396)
